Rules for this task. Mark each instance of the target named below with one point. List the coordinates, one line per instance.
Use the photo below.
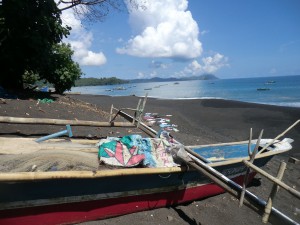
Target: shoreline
(289, 105)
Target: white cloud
(158, 65)
(140, 75)
(209, 64)
(204, 32)
(212, 64)
(153, 74)
(166, 29)
(81, 42)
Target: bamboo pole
(38, 176)
(280, 135)
(275, 180)
(111, 111)
(274, 190)
(140, 111)
(19, 120)
(252, 201)
(252, 157)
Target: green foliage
(28, 31)
(62, 71)
(101, 81)
(30, 78)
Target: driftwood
(19, 120)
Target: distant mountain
(113, 80)
(159, 79)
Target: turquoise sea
(283, 91)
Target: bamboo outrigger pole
(280, 135)
(20, 120)
(273, 179)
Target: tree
(61, 71)
(29, 29)
(97, 9)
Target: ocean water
(283, 91)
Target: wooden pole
(137, 113)
(252, 201)
(274, 190)
(19, 120)
(250, 142)
(111, 111)
(140, 110)
(246, 176)
(252, 157)
(36, 176)
(274, 179)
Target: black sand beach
(199, 122)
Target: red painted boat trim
(100, 209)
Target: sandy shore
(199, 122)
(213, 120)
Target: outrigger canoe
(65, 197)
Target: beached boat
(64, 197)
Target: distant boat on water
(176, 83)
(263, 89)
(120, 88)
(271, 82)
(148, 89)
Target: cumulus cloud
(209, 64)
(81, 42)
(165, 29)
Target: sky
(181, 38)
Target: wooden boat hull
(65, 201)
(99, 209)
